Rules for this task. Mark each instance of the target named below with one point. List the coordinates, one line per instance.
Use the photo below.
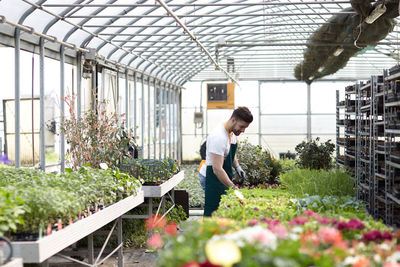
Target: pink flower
(253, 222)
(329, 235)
(155, 241)
(309, 213)
(325, 220)
(387, 236)
(270, 221)
(171, 228)
(278, 230)
(391, 264)
(298, 220)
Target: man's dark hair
(243, 114)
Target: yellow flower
(223, 252)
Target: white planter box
(14, 262)
(162, 189)
(42, 249)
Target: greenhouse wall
(283, 108)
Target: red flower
(309, 213)
(387, 236)
(155, 241)
(208, 264)
(355, 224)
(298, 220)
(156, 221)
(372, 235)
(171, 228)
(192, 264)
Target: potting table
(41, 250)
(159, 191)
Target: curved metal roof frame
(265, 39)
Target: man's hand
(241, 173)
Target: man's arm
(235, 162)
(217, 163)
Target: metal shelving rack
(392, 145)
(364, 175)
(378, 174)
(340, 139)
(350, 132)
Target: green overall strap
(214, 188)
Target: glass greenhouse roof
(250, 40)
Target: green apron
(214, 188)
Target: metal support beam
(308, 112)
(134, 104)
(143, 111)
(165, 119)
(62, 102)
(148, 120)
(155, 119)
(42, 119)
(17, 97)
(159, 120)
(127, 100)
(169, 120)
(259, 113)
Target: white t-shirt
(217, 143)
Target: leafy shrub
(333, 182)
(287, 165)
(312, 155)
(97, 136)
(259, 164)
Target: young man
(221, 157)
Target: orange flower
(171, 228)
(156, 221)
(155, 241)
(361, 262)
(330, 235)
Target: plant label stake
(59, 225)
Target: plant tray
(162, 189)
(42, 249)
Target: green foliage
(49, 196)
(312, 155)
(259, 203)
(192, 185)
(331, 204)
(11, 212)
(287, 164)
(333, 182)
(259, 165)
(97, 136)
(150, 170)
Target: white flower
(395, 257)
(103, 166)
(238, 194)
(350, 260)
(297, 230)
(251, 235)
(384, 246)
(377, 258)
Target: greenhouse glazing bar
(165, 119)
(155, 119)
(42, 122)
(148, 119)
